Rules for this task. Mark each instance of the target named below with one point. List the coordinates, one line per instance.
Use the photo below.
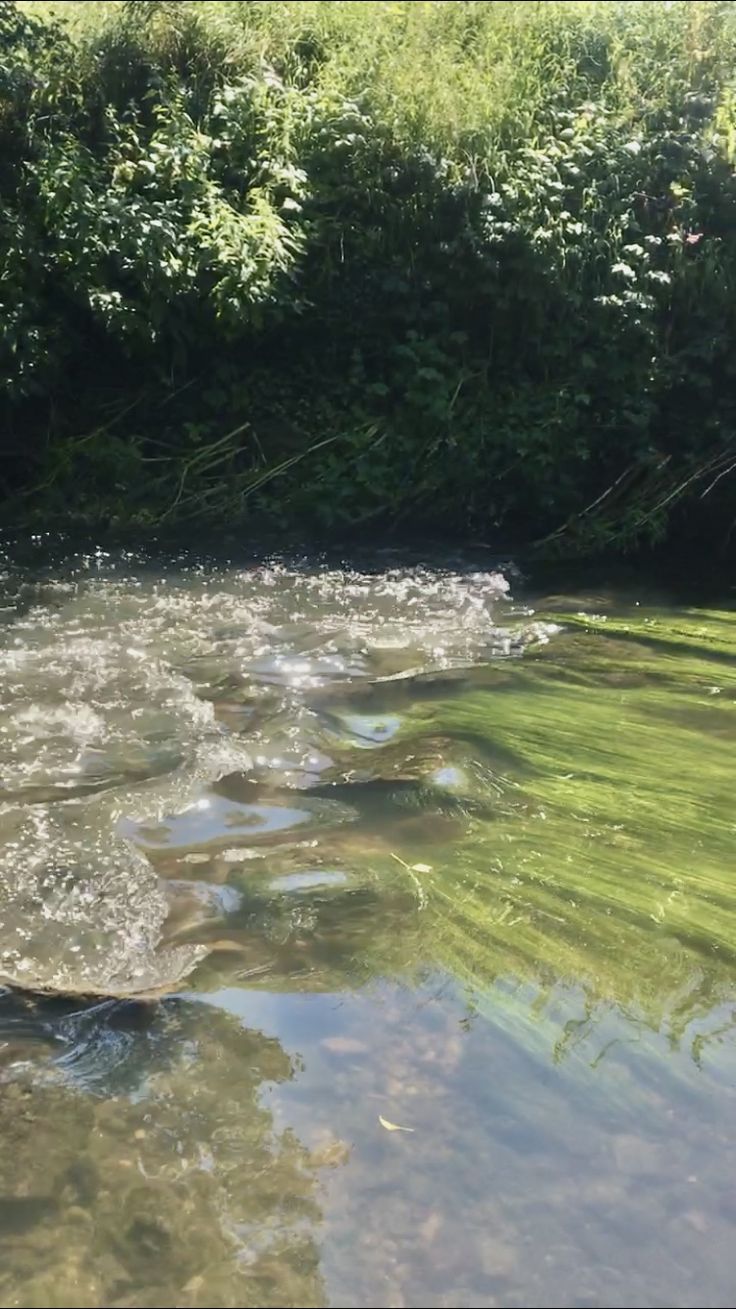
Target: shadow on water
(426, 854)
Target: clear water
(413, 844)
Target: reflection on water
(134, 1176)
(400, 847)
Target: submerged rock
(161, 973)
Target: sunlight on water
(404, 843)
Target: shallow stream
(428, 872)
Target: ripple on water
(506, 923)
(111, 726)
(309, 880)
(216, 820)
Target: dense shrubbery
(458, 266)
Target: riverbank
(461, 270)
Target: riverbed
(424, 871)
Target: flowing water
(404, 846)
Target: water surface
(406, 842)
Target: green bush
(465, 268)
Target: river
(425, 871)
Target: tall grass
(464, 75)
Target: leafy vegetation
(458, 267)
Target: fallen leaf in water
(421, 868)
(393, 1127)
